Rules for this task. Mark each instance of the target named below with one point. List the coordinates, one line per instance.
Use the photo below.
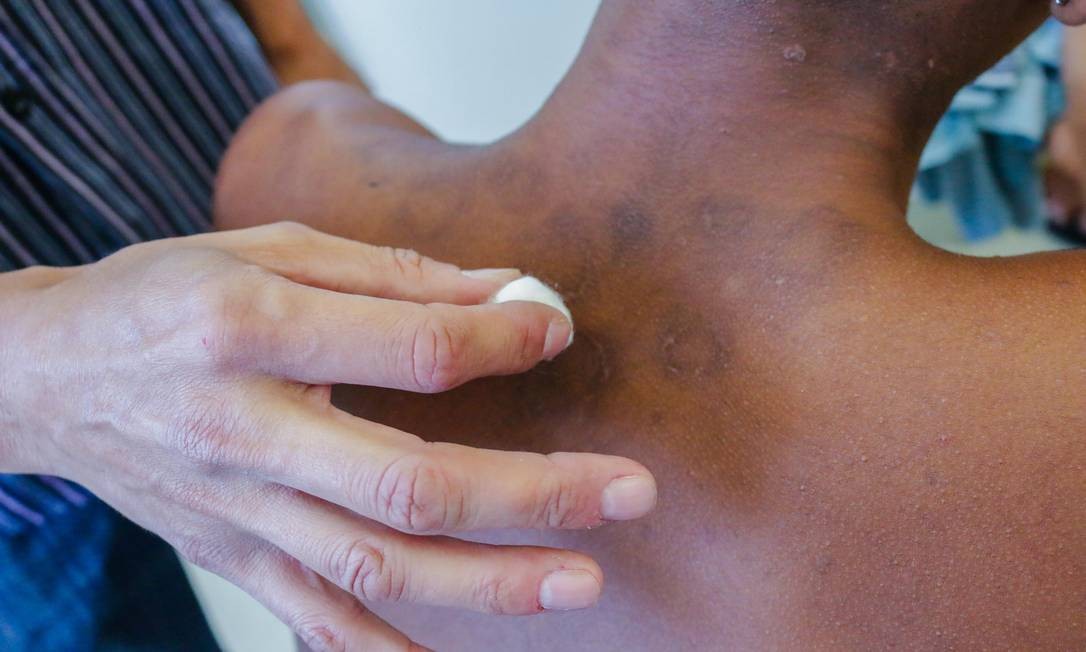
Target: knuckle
(209, 307)
(437, 347)
(361, 569)
(556, 503)
(205, 552)
(229, 314)
(415, 495)
(206, 433)
(408, 263)
(216, 311)
(493, 595)
(318, 635)
(199, 498)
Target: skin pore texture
(861, 442)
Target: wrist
(21, 304)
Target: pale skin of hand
(187, 383)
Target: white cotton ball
(529, 288)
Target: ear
(1071, 13)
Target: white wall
(473, 70)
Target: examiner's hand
(186, 382)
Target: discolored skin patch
(690, 346)
(631, 231)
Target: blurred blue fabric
(982, 157)
(92, 580)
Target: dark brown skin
(861, 442)
(291, 44)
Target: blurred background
(475, 70)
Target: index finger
(321, 337)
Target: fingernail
(568, 590)
(628, 498)
(559, 337)
(494, 275)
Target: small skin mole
(374, 184)
(795, 53)
(889, 59)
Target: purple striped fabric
(49, 216)
(215, 117)
(121, 121)
(148, 94)
(113, 117)
(80, 131)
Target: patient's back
(860, 442)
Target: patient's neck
(683, 93)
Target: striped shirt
(114, 115)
